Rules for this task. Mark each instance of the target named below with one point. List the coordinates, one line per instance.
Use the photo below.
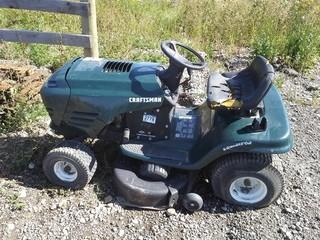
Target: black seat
(242, 90)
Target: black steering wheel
(169, 48)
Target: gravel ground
(31, 208)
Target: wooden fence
(84, 8)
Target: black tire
(233, 175)
(73, 155)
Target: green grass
(22, 116)
(16, 204)
(279, 81)
(133, 29)
(12, 199)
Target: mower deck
(138, 192)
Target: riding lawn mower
(165, 147)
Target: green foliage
(265, 45)
(22, 115)
(293, 35)
(12, 199)
(133, 29)
(303, 41)
(279, 81)
(15, 202)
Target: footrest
(145, 151)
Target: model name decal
(145, 100)
(239, 144)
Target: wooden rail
(85, 8)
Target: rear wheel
(71, 165)
(247, 179)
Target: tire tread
(78, 152)
(258, 162)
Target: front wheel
(71, 165)
(247, 179)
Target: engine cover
(87, 94)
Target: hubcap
(248, 190)
(65, 171)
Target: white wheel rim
(248, 190)
(65, 171)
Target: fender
(229, 136)
(55, 93)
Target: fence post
(89, 27)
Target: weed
(15, 202)
(22, 116)
(12, 199)
(279, 81)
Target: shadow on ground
(21, 160)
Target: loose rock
(171, 212)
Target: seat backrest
(262, 74)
